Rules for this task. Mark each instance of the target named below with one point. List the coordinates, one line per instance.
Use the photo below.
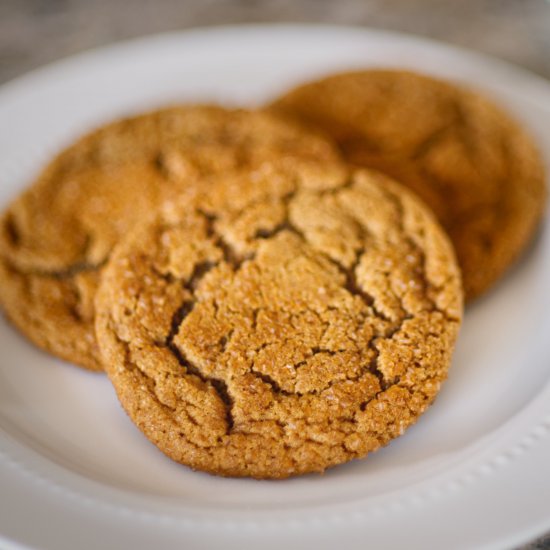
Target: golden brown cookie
(55, 238)
(288, 322)
(469, 161)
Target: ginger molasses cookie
(286, 323)
(56, 237)
(469, 161)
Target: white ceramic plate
(75, 473)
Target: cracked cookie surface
(56, 237)
(466, 158)
(284, 323)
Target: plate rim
(542, 426)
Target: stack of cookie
(266, 300)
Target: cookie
(57, 236)
(465, 157)
(285, 323)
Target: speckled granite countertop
(35, 32)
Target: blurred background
(35, 32)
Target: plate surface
(74, 472)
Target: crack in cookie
(466, 158)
